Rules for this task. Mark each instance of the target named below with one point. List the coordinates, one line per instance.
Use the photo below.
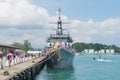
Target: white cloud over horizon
(21, 20)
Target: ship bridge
(64, 37)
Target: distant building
(91, 51)
(96, 52)
(5, 48)
(102, 51)
(34, 52)
(86, 50)
(107, 50)
(112, 51)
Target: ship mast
(59, 36)
(59, 30)
(59, 24)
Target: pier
(24, 71)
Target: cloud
(105, 31)
(21, 20)
(21, 12)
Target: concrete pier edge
(30, 72)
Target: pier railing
(4, 62)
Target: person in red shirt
(9, 57)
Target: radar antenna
(59, 23)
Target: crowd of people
(13, 58)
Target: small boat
(59, 46)
(104, 60)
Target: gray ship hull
(61, 59)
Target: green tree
(25, 46)
(96, 46)
(19, 45)
(79, 46)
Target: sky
(91, 21)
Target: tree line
(25, 46)
(79, 47)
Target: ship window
(54, 37)
(59, 29)
(58, 33)
(50, 44)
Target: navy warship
(59, 46)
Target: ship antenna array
(59, 24)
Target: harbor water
(86, 68)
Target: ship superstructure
(60, 37)
(63, 55)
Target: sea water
(86, 68)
